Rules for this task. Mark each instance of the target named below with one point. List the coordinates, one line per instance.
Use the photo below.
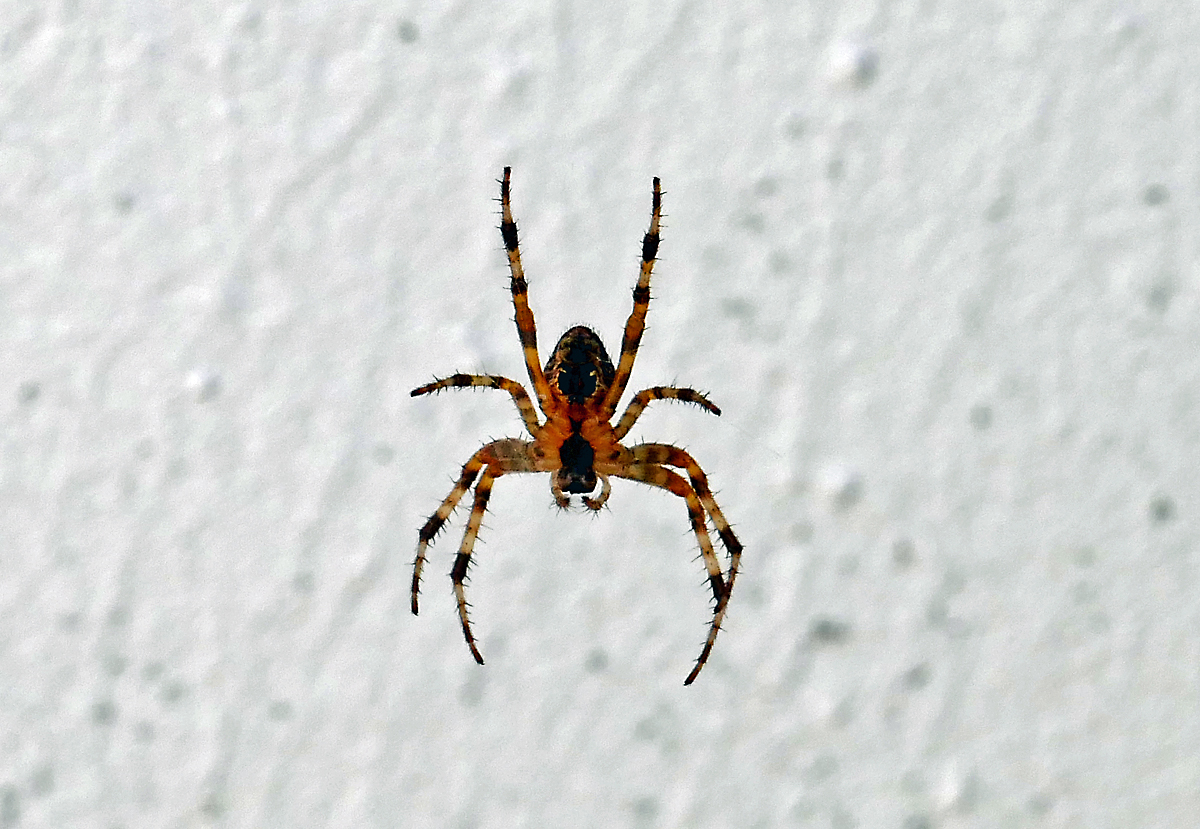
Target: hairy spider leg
(673, 456)
(636, 324)
(660, 476)
(643, 398)
(508, 455)
(489, 381)
(526, 329)
(663, 453)
(483, 491)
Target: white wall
(937, 262)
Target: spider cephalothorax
(578, 391)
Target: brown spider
(578, 391)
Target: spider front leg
(636, 324)
(488, 381)
(526, 328)
(660, 476)
(642, 399)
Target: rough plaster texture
(937, 261)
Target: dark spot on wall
(172, 692)
(213, 806)
(823, 767)
(999, 209)
(981, 416)
(752, 222)
(407, 31)
(1162, 509)
(1156, 194)
(1159, 296)
(829, 631)
(597, 661)
(41, 782)
(104, 712)
(793, 126)
(645, 808)
(28, 392)
(904, 552)
(917, 677)
(766, 187)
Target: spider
(578, 392)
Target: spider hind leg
(483, 491)
(662, 453)
(497, 458)
(657, 475)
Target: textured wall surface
(937, 262)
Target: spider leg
(508, 455)
(642, 399)
(596, 504)
(526, 329)
(660, 453)
(483, 491)
(636, 324)
(489, 381)
(659, 476)
(434, 524)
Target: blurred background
(936, 262)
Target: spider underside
(578, 391)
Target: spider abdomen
(579, 370)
